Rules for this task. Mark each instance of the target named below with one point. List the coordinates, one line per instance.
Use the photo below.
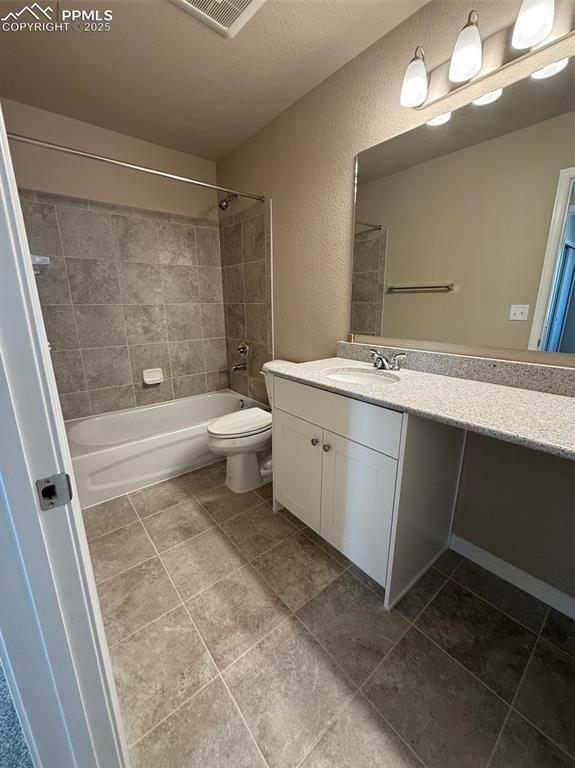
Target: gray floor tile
(108, 516)
(521, 746)
(293, 519)
(157, 669)
(206, 732)
(213, 476)
(266, 492)
(349, 620)
(436, 706)
(360, 738)
(560, 630)
(448, 562)
(200, 562)
(159, 496)
(176, 524)
(545, 696)
(222, 503)
(288, 690)
(420, 594)
(257, 530)
(117, 551)
(235, 613)
(134, 598)
(368, 581)
(327, 547)
(297, 569)
(489, 644)
(503, 595)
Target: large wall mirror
(465, 230)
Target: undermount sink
(363, 377)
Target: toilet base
(243, 472)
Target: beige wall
(519, 505)
(48, 171)
(304, 160)
(478, 218)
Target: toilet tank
(268, 376)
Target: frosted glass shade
(534, 23)
(488, 98)
(550, 70)
(445, 117)
(414, 88)
(467, 55)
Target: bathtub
(119, 452)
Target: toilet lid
(250, 421)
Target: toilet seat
(251, 421)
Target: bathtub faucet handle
(243, 349)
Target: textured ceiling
(162, 76)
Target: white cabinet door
(358, 486)
(297, 467)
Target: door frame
(553, 253)
(52, 643)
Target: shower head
(224, 203)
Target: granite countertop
(536, 420)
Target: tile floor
(239, 639)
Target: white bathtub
(120, 452)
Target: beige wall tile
(100, 325)
(145, 323)
(140, 283)
(93, 282)
(85, 234)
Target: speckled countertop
(534, 419)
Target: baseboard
(561, 601)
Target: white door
(52, 643)
(357, 502)
(297, 467)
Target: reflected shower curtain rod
(369, 227)
(131, 166)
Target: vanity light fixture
(550, 69)
(445, 117)
(467, 55)
(414, 88)
(534, 23)
(488, 98)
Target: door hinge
(54, 491)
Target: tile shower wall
(246, 267)
(125, 290)
(369, 251)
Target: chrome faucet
(382, 363)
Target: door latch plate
(54, 491)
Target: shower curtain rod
(131, 166)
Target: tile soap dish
(153, 376)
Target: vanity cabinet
(377, 484)
(298, 466)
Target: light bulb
(488, 98)
(550, 70)
(534, 23)
(467, 55)
(445, 117)
(414, 88)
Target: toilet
(241, 436)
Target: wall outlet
(518, 311)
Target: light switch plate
(518, 311)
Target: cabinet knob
(326, 447)
(314, 441)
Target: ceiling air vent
(225, 16)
